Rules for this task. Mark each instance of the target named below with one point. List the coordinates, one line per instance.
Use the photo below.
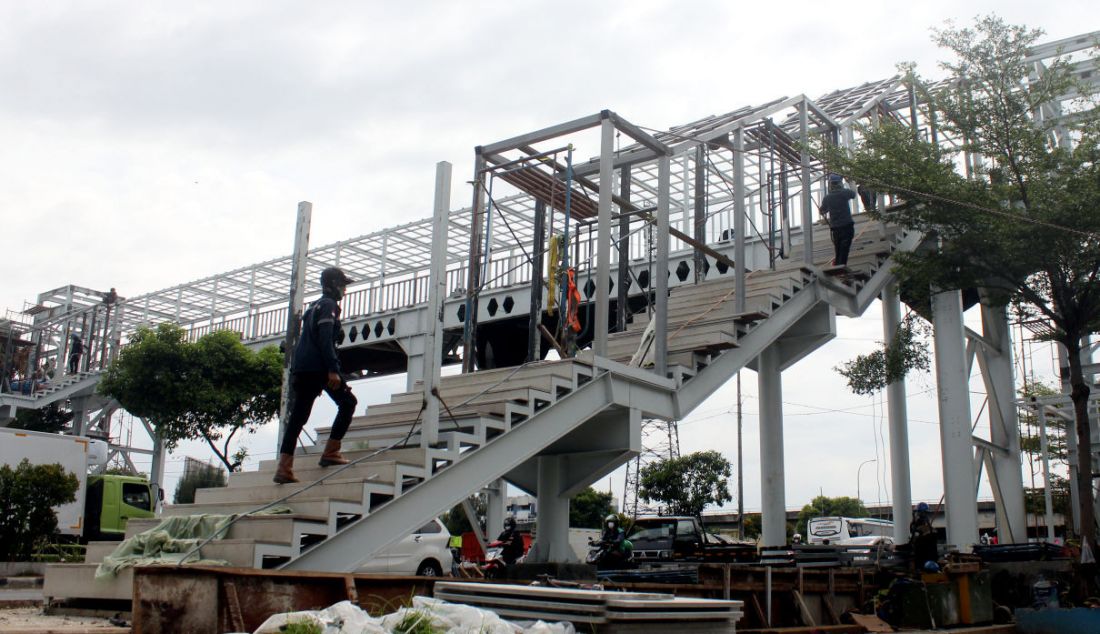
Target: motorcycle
(495, 566)
(608, 556)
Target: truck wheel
(429, 568)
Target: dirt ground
(20, 620)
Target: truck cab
(113, 500)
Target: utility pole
(740, 468)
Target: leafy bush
(28, 494)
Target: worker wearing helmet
(837, 207)
(511, 541)
(618, 547)
(922, 536)
(315, 367)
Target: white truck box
(75, 454)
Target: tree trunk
(1079, 392)
(224, 459)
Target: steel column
(624, 251)
(953, 385)
(437, 291)
(495, 506)
(534, 336)
(660, 307)
(603, 238)
(996, 366)
(901, 487)
(807, 210)
(156, 470)
(773, 510)
(700, 220)
(739, 221)
(473, 277)
(298, 268)
(1044, 450)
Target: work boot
(332, 454)
(284, 473)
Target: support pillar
(700, 211)
(953, 387)
(552, 540)
(538, 245)
(773, 505)
(623, 285)
(298, 267)
(473, 273)
(603, 239)
(807, 210)
(996, 366)
(901, 488)
(496, 503)
(1044, 450)
(156, 470)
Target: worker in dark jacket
(316, 367)
(837, 207)
(511, 540)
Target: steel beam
(773, 510)
(534, 337)
(807, 211)
(901, 487)
(953, 386)
(1044, 451)
(569, 127)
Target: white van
(850, 531)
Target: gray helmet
(611, 519)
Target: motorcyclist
(511, 541)
(618, 548)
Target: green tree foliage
(872, 372)
(208, 390)
(822, 506)
(1031, 446)
(1024, 225)
(198, 479)
(588, 508)
(686, 485)
(51, 419)
(457, 523)
(27, 517)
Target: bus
(845, 531)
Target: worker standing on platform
(838, 209)
(316, 367)
(922, 537)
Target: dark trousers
(842, 243)
(74, 362)
(305, 388)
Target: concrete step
(317, 508)
(336, 489)
(77, 581)
(308, 470)
(406, 455)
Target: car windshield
(653, 531)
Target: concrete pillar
(953, 387)
(156, 470)
(772, 486)
(552, 538)
(496, 502)
(997, 370)
(901, 487)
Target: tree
(27, 518)
(458, 523)
(1031, 446)
(209, 390)
(51, 419)
(201, 478)
(686, 485)
(588, 508)
(1024, 225)
(822, 506)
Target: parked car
(425, 552)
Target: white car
(423, 553)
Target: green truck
(104, 503)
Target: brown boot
(332, 454)
(284, 473)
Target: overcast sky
(146, 144)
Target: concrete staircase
(497, 423)
(60, 389)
